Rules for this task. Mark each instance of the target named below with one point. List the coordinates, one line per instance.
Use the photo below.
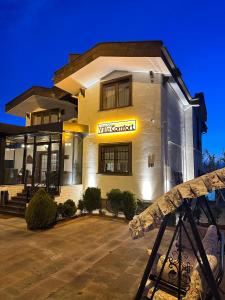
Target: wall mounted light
(151, 160)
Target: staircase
(16, 206)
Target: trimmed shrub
(41, 211)
(81, 205)
(66, 209)
(69, 208)
(60, 210)
(129, 205)
(92, 199)
(115, 200)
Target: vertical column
(49, 175)
(61, 158)
(34, 161)
(24, 175)
(2, 156)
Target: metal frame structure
(185, 215)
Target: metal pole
(152, 257)
(210, 278)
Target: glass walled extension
(43, 160)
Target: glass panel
(108, 156)
(124, 94)
(54, 171)
(77, 159)
(109, 97)
(41, 165)
(42, 139)
(14, 160)
(114, 159)
(72, 173)
(54, 118)
(30, 139)
(29, 164)
(36, 120)
(55, 137)
(68, 158)
(46, 119)
(122, 159)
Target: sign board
(117, 127)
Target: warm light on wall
(117, 127)
(146, 189)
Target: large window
(72, 173)
(116, 93)
(45, 117)
(115, 159)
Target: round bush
(41, 211)
(60, 210)
(129, 205)
(115, 200)
(81, 205)
(69, 208)
(92, 199)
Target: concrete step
(23, 194)
(11, 213)
(12, 208)
(19, 198)
(17, 203)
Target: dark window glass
(37, 120)
(54, 118)
(124, 94)
(116, 94)
(45, 117)
(115, 159)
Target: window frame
(115, 82)
(44, 113)
(129, 145)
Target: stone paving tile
(87, 258)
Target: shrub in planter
(92, 199)
(41, 211)
(129, 205)
(69, 208)
(115, 200)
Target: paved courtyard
(86, 258)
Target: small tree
(41, 211)
(92, 199)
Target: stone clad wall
(73, 192)
(145, 182)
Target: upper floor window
(116, 93)
(45, 117)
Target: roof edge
(129, 49)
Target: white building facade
(139, 127)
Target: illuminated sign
(117, 127)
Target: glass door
(41, 165)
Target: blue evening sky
(36, 37)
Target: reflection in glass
(72, 173)
(14, 150)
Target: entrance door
(46, 167)
(41, 165)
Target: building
(118, 116)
